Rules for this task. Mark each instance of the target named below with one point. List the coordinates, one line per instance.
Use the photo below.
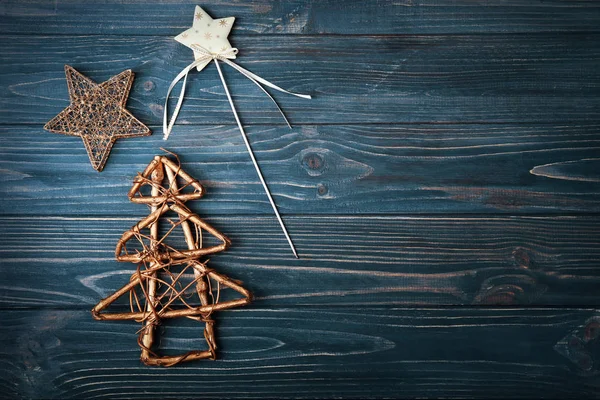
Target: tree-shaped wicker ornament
(167, 278)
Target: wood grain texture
(302, 16)
(344, 260)
(584, 170)
(375, 169)
(360, 79)
(448, 160)
(304, 353)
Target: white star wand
(209, 41)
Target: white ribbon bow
(226, 57)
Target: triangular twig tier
(175, 254)
(144, 178)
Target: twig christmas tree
(155, 290)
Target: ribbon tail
(258, 80)
(167, 127)
(265, 92)
(265, 82)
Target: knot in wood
(313, 163)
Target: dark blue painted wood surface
(541, 78)
(442, 188)
(323, 169)
(319, 352)
(409, 260)
(352, 17)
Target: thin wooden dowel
(256, 166)
(201, 286)
(148, 333)
(167, 361)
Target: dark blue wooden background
(442, 189)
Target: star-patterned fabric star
(208, 33)
(97, 114)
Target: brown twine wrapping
(156, 259)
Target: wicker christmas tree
(170, 282)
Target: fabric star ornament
(97, 114)
(208, 38)
(208, 33)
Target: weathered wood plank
(391, 79)
(319, 169)
(314, 353)
(302, 16)
(344, 260)
(526, 142)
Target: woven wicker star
(97, 114)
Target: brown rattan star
(97, 114)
